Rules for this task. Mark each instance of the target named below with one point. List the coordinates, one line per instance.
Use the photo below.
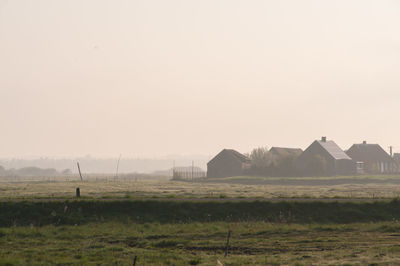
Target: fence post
(78, 192)
(79, 169)
(227, 243)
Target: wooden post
(116, 172)
(227, 243)
(79, 169)
(78, 192)
(192, 169)
(134, 261)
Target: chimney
(323, 139)
(364, 142)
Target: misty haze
(223, 132)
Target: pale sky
(154, 77)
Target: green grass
(182, 223)
(194, 233)
(355, 177)
(252, 243)
(174, 211)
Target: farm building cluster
(322, 158)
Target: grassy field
(254, 187)
(251, 243)
(80, 212)
(194, 233)
(273, 221)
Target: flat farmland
(273, 221)
(86, 232)
(251, 243)
(381, 187)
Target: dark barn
(325, 158)
(227, 163)
(372, 159)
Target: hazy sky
(150, 78)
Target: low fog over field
(108, 165)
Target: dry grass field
(257, 188)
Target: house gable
(369, 153)
(227, 163)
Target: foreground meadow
(251, 243)
(161, 222)
(99, 232)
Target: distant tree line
(32, 171)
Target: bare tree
(261, 157)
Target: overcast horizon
(185, 156)
(154, 78)
(89, 156)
